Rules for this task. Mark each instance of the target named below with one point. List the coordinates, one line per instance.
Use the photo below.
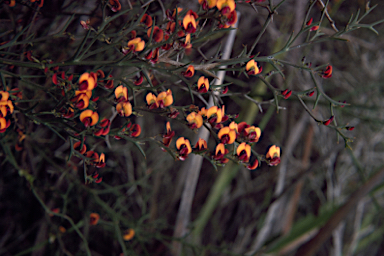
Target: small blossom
(328, 72)
(87, 81)
(286, 93)
(93, 157)
(314, 28)
(158, 34)
(184, 147)
(214, 115)
(85, 24)
(189, 72)
(101, 162)
(327, 122)
(227, 135)
(89, 118)
(6, 106)
(115, 4)
(220, 153)
(135, 131)
(128, 234)
(253, 133)
(309, 22)
(254, 165)
(151, 101)
(273, 155)
(167, 138)
(252, 68)
(310, 94)
(244, 152)
(81, 99)
(226, 6)
(94, 219)
(124, 108)
(121, 93)
(136, 45)
(105, 125)
(201, 145)
(230, 19)
(189, 23)
(76, 147)
(147, 20)
(164, 99)
(194, 120)
(4, 124)
(350, 128)
(187, 43)
(207, 4)
(203, 85)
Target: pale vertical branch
(193, 164)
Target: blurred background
(271, 210)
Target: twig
(328, 16)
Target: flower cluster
(6, 108)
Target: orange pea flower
(4, 124)
(203, 112)
(124, 108)
(147, 20)
(128, 234)
(4, 96)
(226, 6)
(252, 68)
(76, 147)
(6, 106)
(189, 72)
(203, 85)
(189, 22)
(94, 156)
(89, 118)
(135, 131)
(167, 138)
(164, 99)
(201, 145)
(254, 165)
(207, 4)
(115, 4)
(253, 133)
(314, 28)
(195, 120)
(87, 81)
(227, 135)
(82, 99)
(105, 125)
(220, 153)
(184, 147)
(11, 3)
(230, 18)
(187, 43)
(101, 161)
(121, 93)
(244, 152)
(151, 101)
(158, 34)
(214, 115)
(233, 126)
(273, 155)
(136, 45)
(94, 218)
(328, 72)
